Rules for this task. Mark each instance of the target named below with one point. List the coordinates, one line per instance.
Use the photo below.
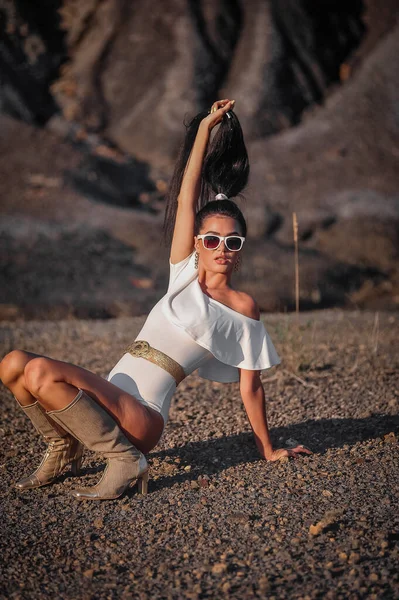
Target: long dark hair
(225, 170)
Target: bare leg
(12, 375)
(55, 384)
(62, 448)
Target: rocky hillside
(94, 95)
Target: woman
(201, 322)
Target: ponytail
(225, 169)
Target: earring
(237, 263)
(196, 260)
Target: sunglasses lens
(233, 243)
(211, 242)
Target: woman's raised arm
(183, 233)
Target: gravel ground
(218, 521)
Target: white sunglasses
(212, 241)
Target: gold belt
(143, 349)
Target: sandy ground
(218, 521)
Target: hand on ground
(290, 452)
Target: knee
(12, 366)
(37, 373)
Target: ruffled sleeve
(236, 341)
(253, 350)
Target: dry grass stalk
(375, 334)
(295, 229)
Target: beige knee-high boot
(62, 449)
(86, 420)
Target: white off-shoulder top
(200, 333)
(235, 340)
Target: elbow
(250, 385)
(251, 394)
(246, 392)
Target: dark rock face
(308, 46)
(31, 52)
(127, 64)
(147, 70)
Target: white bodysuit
(199, 333)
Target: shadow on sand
(209, 457)
(215, 455)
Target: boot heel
(143, 483)
(76, 465)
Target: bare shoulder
(248, 306)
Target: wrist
(205, 127)
(266, 451)
(268, 455)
